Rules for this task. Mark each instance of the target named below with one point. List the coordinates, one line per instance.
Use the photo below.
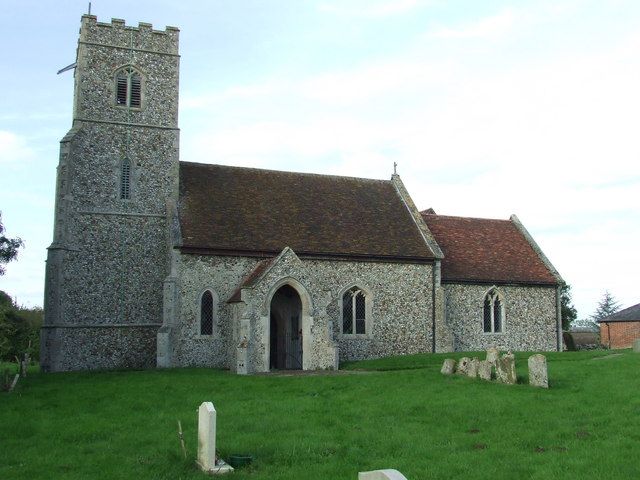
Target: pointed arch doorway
(285, 339)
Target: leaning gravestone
(207, 442)
(506, 369)
(636, 345)
(472, 369)
(538, 371)
(492, 355)
(484, 369)
(448, 367)
(463, 366)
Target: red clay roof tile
(486, 250)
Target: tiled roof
(251, 211)
(484, 250)
(631, 314)
(260, 267)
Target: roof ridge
(288, 173)
(424, 214)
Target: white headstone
(387, 474)
(207, 442)
(207, 436)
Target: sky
(489, 108)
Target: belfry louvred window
(128, 88)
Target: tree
(19, 329)
(607, 306)
(567, 310)
(8, 247)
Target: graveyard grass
(390, 413)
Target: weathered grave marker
(538, 376)
(492, 355)
(484, 369)
(506, 369)
(448, 367)
(463, 366)
(472, 369)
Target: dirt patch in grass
(612, 355)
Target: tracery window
(128, 87)
(493, 312)
(355, 312)
(206, 313)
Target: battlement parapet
(118, 34)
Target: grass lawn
(401, 413)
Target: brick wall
(619, 334)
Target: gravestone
(463, 366)
(506, 369)
(538, 371)
(448, 367)
(636, 345)
(388, 474)
(484, 369)
(492, 355)
(207, 442)
(472, 369)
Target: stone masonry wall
(109, 256)
(104, 48)
(221, 275)
(401, 301)
(529, 325)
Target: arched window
(355, 312)
(128, 88)
(206, 313)
(125, 179)
(493, 317)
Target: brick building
(621, 329)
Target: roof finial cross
(394, 168)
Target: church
(158, 262)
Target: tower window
(125, 179)
(128, 88)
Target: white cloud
(13, 148)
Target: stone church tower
(117, 184)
